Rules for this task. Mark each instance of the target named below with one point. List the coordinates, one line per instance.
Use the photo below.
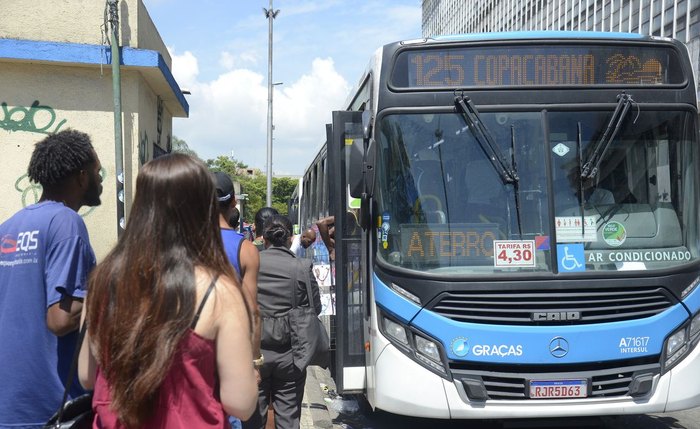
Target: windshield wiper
(516, 183)
(486, 141)
(590, 167)
(579, 156)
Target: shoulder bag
(310, 342)
(76, 413)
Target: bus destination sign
(529, 65)
(469, 243)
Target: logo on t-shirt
(8, 244)
(25, 242)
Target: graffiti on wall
(31, 192)
(156, 149)
(34, 119)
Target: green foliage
(255, 186)
(181, 146)
(282, 188)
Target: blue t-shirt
(45, 253)
(232, 245)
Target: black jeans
(283, 385)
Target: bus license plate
(543, 389)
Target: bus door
(351, 321)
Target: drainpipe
(117, 90)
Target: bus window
(632, 210)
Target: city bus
(516, 226)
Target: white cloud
(226, 60)
(229, 61)
(229, 113)
(185, 68)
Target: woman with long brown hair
(169, 339)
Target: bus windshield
(445, 208)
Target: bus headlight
(675, 342)
(395, 331)
(695, 327)
(428, 348)
(416, 345)
(428, 353)
(681, 342)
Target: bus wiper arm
(516, 184)
(486, 141)
(590, 167)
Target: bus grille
(555, 307)
(605, 380)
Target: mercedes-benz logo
(558, 347)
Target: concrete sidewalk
(316, 409)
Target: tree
(255, 186)
(181, 146)
(282, 189)
(226, 164)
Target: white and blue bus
(517, 230)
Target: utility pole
(270, 14)
(117, 91)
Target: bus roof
(525, 35)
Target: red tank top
(189, 395)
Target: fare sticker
(514, 253)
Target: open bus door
(351, 262)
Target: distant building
(678, 19)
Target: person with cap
(241, 253)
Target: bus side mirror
(370, 153)
(362, 160)
(355, 173)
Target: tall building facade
(679, 19)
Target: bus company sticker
(386, 226)
(514, 253)
(460, 346)
(614, 233)
(542, 242)
(561, 149)
(575, 229)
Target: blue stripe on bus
(394, 303)
(531, 344)
(524, 35)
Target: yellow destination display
(527, 65)
(471, 242)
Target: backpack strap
(204, 301)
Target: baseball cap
(224, 186)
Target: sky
(219, 50)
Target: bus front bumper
(404, 387)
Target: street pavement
(315, 408)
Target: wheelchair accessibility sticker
(570, 257)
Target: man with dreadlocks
(45, 259)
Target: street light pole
(270, 14)
(117, 97)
